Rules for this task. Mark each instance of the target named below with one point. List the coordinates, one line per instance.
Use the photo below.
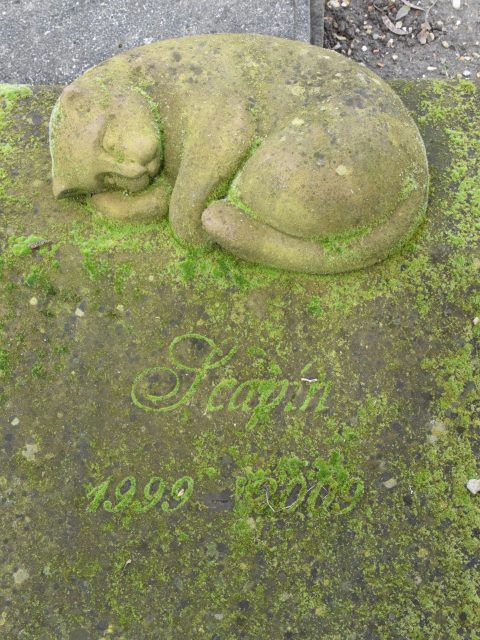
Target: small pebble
(437, 427)
(473, 485)
(342, 170)
(218, 616)
(30, 451)
(445, 44)
(15, 422)
(467, 73)
(79, 313)
(394, 57)
(431, 68)
(151, 278)
(20, 576)
(476, 320)
(120, 308)
(456, 4)
(389, 484)
(33, 301)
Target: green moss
(20, 246)
(5, 365)
(37, 370)
(156, 116)
(123, 273)
(37, 278)
(315, 306)
(95, 267)
(231, 190)
(398, 344)
(219, 192)
(10, 94)
(409, 186)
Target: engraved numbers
(153, 492)
(323, 486)
(289, 484)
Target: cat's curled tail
(247, 238)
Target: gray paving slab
(317, 13)
(47, 41)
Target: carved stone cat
(281, 152)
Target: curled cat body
(283, 153)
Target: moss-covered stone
(360, 390)
(283, 153)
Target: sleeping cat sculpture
(283, 153)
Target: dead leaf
(412, 6)
(391, 27)
(424, 35)
(402, 12)
(38, 244)
(129, 561)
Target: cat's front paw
(149, 205)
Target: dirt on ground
(407, 38)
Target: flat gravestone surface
(56, 40)
(195, 447)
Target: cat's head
(103, 140)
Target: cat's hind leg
(315, 198)
(256, 241)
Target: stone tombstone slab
(194, 446)
(60, 39)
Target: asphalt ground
(54, 41)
